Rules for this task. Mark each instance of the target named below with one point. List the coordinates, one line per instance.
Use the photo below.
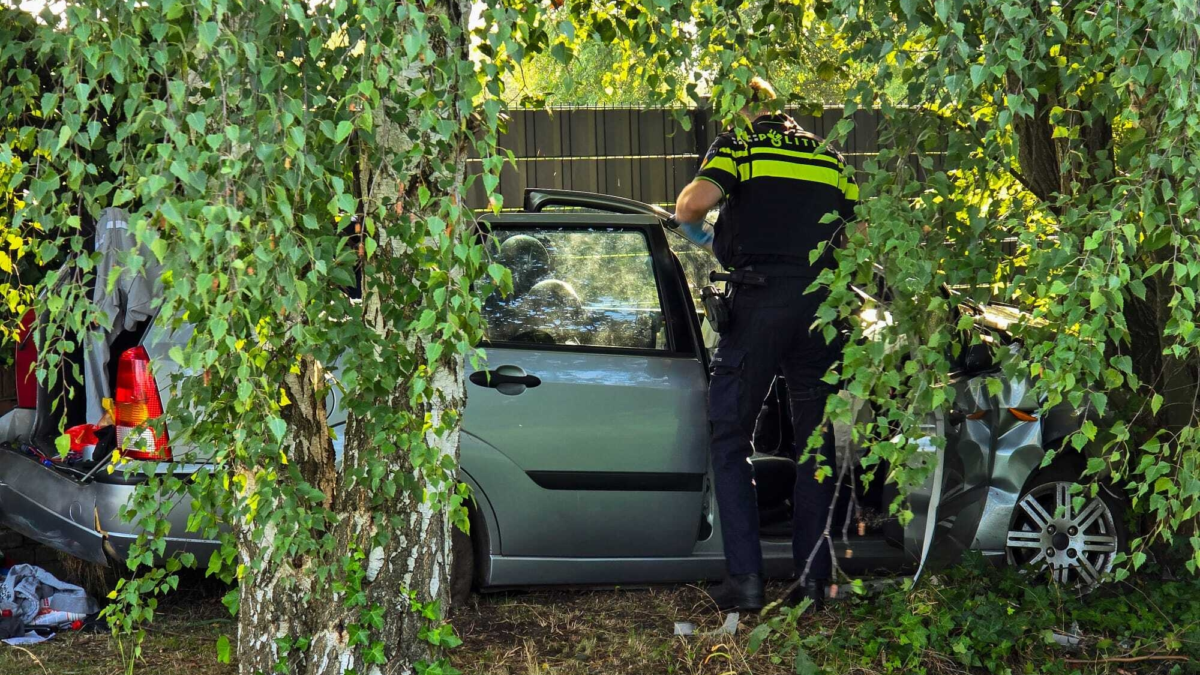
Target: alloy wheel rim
(1078, 547)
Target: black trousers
(770, 334)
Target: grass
(602, 631)
(630, 631)
(181, 640)
(589, 631)
(969, 620)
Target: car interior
(579, 288)
(861, 508)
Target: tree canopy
(581, 70)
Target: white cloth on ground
(41, 599)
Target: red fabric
(25, 363)
(82, 436)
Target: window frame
(680, 334)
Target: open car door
(588, 415)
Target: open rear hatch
(71, 501)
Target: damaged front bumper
(78, 516)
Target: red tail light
(137, 402)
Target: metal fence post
(701, 115)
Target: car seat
(552, 307)
(529, 262)
(527, 259)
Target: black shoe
(742, 592)
(813, 589)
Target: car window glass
(697, 263)
(576, 286)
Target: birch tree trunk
(396, 579)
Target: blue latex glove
(699, 233)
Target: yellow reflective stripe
(721, 162)
(849, 188)
(767, 168)
(797, 154)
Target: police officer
(777, 188)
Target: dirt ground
(561, 632)
(581, 632)
(181, 641)
(565, 632)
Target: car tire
(1076, 548)
(462, 568)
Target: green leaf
(428, 318)
(168, 211)
(804, 665)
(217, 327)
(196, 121)
(64, 137)
(223, 649)
(978, 74)
(559, 52)
(62, 444)
(343, 130)
(433, 351)
(1089, 429)
(994, 386)
(757, 636)
(215, 564)
(207, 32)
(1079, 440)
(278, 428)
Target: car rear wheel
(1077, 547)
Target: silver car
(585, 440)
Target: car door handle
(495, 378)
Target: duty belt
(739, 277)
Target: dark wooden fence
(643, 154)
